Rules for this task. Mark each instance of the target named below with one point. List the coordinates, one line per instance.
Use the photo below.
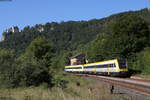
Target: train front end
(122, 68)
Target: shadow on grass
(6, 98)
(132, 72)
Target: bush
(34, 66)
(143, 61)
(7, 68)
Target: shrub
(143, 61)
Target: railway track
(138, 86)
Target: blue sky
(31, 12)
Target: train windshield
(122, 63)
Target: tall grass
(86, 90)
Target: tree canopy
(127, 36)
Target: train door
(82, 67)
(94, 70)
(108, 69)
(112, 67)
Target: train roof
(92, 63)
(78, 56)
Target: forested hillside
(37, 54)
(66, 36)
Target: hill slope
(66, 36)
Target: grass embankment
(145, 76)
(78, 88)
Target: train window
(77, 68)
(99, 66)
(122, 63)
(112, 65)
(102, 66)
(105, 66)
(88, 66)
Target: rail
(139, 86)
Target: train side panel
(111, 67)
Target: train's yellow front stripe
(123, 70)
